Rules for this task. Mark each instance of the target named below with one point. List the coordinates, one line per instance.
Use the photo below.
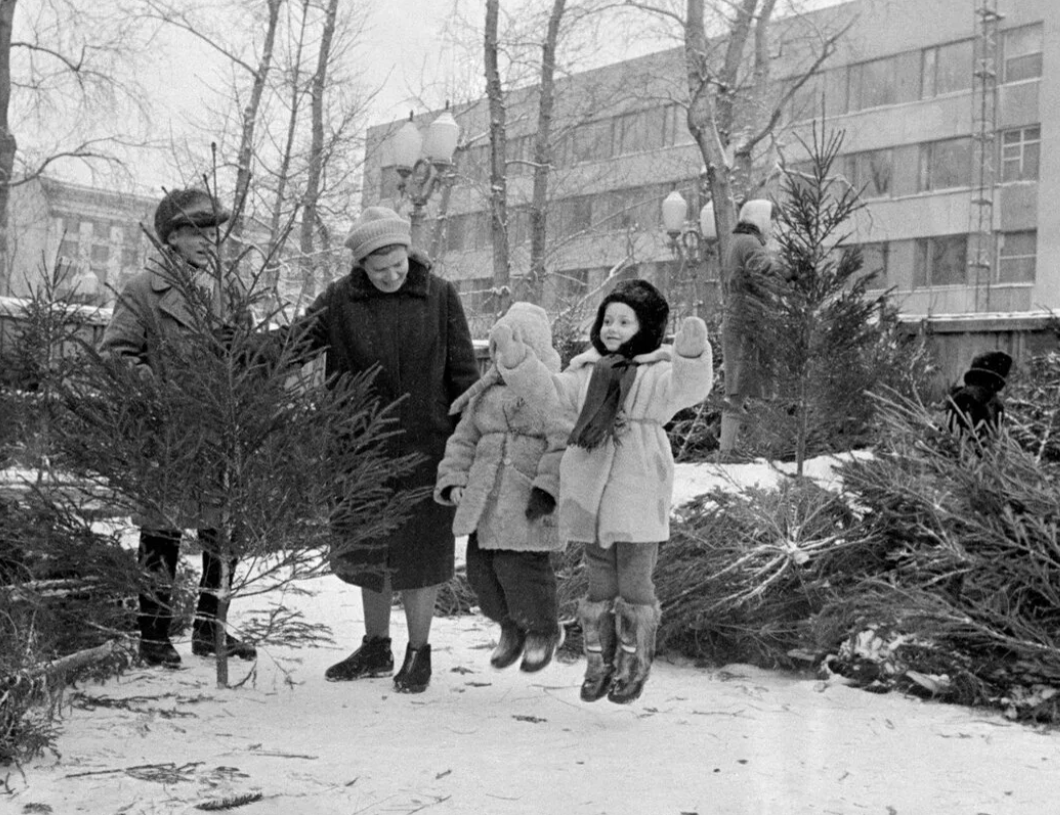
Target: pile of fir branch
(743, 571)
(966, 602)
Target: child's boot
(598, 632)
(636, 624)
(539, 648)
(510, 646)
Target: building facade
(89, 240)
(947, 130)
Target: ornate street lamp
(424, 162)
(691, 243)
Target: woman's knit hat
(187, 208)
(378, 227)
(652, 313)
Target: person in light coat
(616, 475)
(501, 471)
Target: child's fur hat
(652, 313)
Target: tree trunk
(543, 154)
(498, 165)
(316, 155)
(250, 118)
(277, 234)
(8, 145)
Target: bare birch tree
(498, 189)
(66, 79)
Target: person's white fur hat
(758, 211)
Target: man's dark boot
(373, 658)
(415, 673)
(598, 632)
(510, 646)
(204, 643)
(158, 555)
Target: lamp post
(692, 243)
(424, 163)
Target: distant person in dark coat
(392, 312)
(746, 258)
(975, 407)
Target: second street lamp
(424, 163)
(691, 243)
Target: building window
(454, 233)
(637, 132)
(100, 254)
(1022, 53)
(873, 84)
(520, 155)
(941, 261)
(874, 258)
(674, 126)
(1017, 254)
(567, 287)
(871, 172)
(1020, 152)
(946, 164)
(69, 247)
(389, 179)
(573, 215)
(946, 69)
(592, 141)
(476, 293)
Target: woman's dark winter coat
(419, 337)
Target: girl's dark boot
(373, 658)
(636, 624)
(510, 646)
(415, 673)
(598, 632)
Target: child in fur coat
(616, 475)
(501, 470)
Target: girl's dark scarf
(609, 386)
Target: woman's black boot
(415, 673)
(373, 658)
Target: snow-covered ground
(731, 741)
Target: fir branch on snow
(231, 802)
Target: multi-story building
(84, 237)
(946, 129)
(91, 241)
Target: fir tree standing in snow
(616, 475)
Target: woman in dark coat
(392, 312)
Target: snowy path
(733, 742)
